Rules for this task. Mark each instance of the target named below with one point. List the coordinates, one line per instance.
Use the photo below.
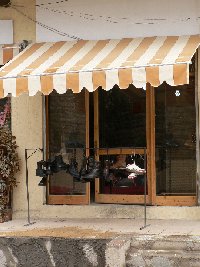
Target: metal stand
(27, 188)
(145, 195)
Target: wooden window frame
(123, 198)
(152, 198)
(69, 199)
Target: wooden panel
(71, 199)
(47, 141)
(197, 101)
(120, 199)
(47, 125)
(115, 198)
(97, 188)
(176, 200)
(96, 122)
(87, 124)
(122, 151)
(150, 128)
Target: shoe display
(58, 164)
(43, 182)
(133, 168)
(73, 169)
(106, 170)
(132, 175)
(83, 169)
(90, 163)
(93, 173)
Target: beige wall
(26, 113)
(24, 28)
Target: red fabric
(132, 190)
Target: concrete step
(164, 251)
(162, 258)
(187, 243)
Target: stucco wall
(26, 111)
(24, 28)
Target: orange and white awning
(90, 64)
(8, 52)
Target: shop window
(67, 137)
(122, 117)
(122, 131)
(175, 138)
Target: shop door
(121, 128)
(67, 135)
(175, 146)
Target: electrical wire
(110, 19)
(46, 26)
(53, 3)
(91, 17)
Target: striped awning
(8, 52)
(90, 64)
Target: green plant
(9, 166)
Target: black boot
(58, 164)
(90, 164)
(94, 173)
(83, 169)
(106, 170)
(73, 169)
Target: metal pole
(27, 191)
(145, 194)
(145, 191)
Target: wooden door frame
(69, 199)
(152, 197)
(117, 198)
(181, 200)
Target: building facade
(174, 149)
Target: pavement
(100, 243)
(98, 228)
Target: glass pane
(67, 135)
(175, 139)
(119, 177)
(122, 117)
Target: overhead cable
(46, 26)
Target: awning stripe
(90, 55)
(114, 53)
(90, 64)
(180, 74)
(176, 50)
(163, 50)
(76, 55)
(149, 53)
(28, 60)
(93, 64)
(152, 75)
(125, 78)
(192, 44)
(56, 50)
(139, 51)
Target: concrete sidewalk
(100, 243)
(92, 228)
